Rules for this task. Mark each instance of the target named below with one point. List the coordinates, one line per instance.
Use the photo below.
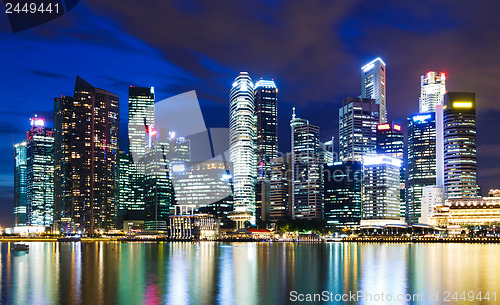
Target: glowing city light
(462, 104)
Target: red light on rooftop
(443, 75)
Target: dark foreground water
(249, 273)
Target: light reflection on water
(239, 273)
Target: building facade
(421, 161)
(20, 184)
(460, 157)
(380, 190)
(87, 131)
(280, 188)
(242, 144)
(358, 120)
(39, 174)
(343, 193)
(141, 115)
(373, 85)
(307, 186)
(205, 185)
(432, 90)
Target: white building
(242, 143)
(432, 196)
(432, 90)
(381, 190)
(373, 84)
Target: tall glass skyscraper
(460, 160)
(266, 103)
(242, 143)
(432, 90)
(421, 161)
(87, 130)
(141, 114)
(373, 85)
(343, 193)
(358, 120)
(307, 167)
(20, 185)
(39, 174)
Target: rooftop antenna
(293, 114)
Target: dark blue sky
(313, 50)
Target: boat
(20, 247)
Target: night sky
(312, 49)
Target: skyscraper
(266, 103)
(343, 193)
(158, 188)
(280, 188)
(358, 120)
(207, 185)
(381, 190)
(87, 129)
(390, 142)
(307, 186)
(373, 85)
(432, 90)
(141, 114)
(421, 161)
(460, 162)
(125, 190)
(20, 185)
(39, 174)
(242, 143)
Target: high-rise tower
(141, 114)
(39, 174)
(242, 143)
(20, 191)
(421, 161)
(307, 186)
(373, 85)
(86, 132)
(432, 90)
(358, 120)
(460, 161)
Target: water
(245, 273)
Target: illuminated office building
(381, 190)
(242, 144)
(205, 185)
(86, 140)
(373, 85)
(432, 90)
(141, 113)
(267, 142)
(266, 104)
(343, 193)
(421, 161)
(358, 120)
(280, 188)
(460, 162)
(158, 189)
(39, 174)
(125, 189)
(390, 142)
(307, 186)
(20, 185)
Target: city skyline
(320, 87)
